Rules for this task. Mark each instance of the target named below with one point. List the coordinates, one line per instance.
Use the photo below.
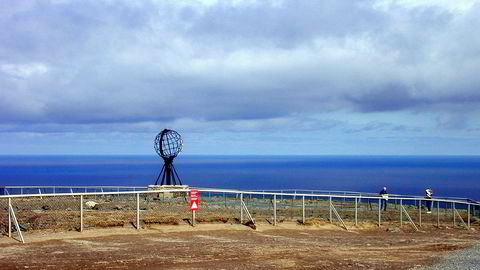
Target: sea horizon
(452, 175)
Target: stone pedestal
(166, 188)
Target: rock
(24, 227)
(46, 207)
(91, 204)
(393, 230)
(251, 225)
(118, 207)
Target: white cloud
(460, 6)
(239, 66)
(24, 71)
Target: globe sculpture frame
(168, 144)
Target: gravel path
(465, 259)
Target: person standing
(384, 200)
(428, 202)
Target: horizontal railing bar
(234, 192)
(72, 187)
(327, 195)
(276, 191)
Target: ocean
(453, 176)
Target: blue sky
(332, 77)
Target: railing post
(453, 211)
(438, 214)
(9, 218)
(241, 208)
(330, 207)
(420, 212)
(468, 222)
(303, 210)
(81, 213)
(356, 211)
(379, 212)
(275, 210)
(138, 211)
(401, 212)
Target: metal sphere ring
(168, 143)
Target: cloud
(246, 63)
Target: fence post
(241, 208)
(9, 218)
(468, 205)
(379, 212)
(438, 214)
(356, 211)
(303, 211)
(453, 211)
(401, 213)
(138, 211)
(420, 212)
(330, 207)
(81, 213)
(274, 209)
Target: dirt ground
(235, 246)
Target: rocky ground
(234, 246)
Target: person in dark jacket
(384, 200)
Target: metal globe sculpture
(168, 144)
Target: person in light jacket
(428, 202)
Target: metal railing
(20, 190)
(137, 209)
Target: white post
(356, 212)
(438, 213)
(420, 212)
(468, 205)
(303, 210)
(453, 211)
(241, 208)
(379, 211)
(401, 213)
(275, 210)
(330, 208)
(9, 218)
(193, 217)
(138, 211)
(81, 213)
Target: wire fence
(141, 209)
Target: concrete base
(167, 194)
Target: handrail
(233, 191)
